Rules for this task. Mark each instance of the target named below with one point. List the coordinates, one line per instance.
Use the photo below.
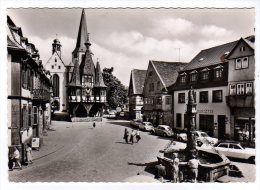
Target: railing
(241, 101)
(41, 95)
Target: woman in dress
(29, 154)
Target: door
(221, 126)
(235, 151)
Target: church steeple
(82, 35)
(56, 46)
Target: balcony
(241, 101)
(41, 95)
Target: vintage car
(162, 130)
(201, 138)
(135, 123)
(233, 149)
(146, 126)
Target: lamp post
(191, 113)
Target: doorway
(221, 127)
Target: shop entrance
(206, 124)
(221, 127)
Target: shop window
(204, 97)
(232, 89)
(217, 96)
(249, 88)
(240, 89)
(181, 98)
(206, 123)
(178, 120)
(242, 63)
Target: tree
(116, 91)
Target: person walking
(16, 157)
(132, 137)
(193, 165)
(175, 168)
(138, 137)
(10, 161)
(94, 124)
(29, 154)
(126, 134)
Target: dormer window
(183, 78)
(205, 74)
(193, 76)
(218, 72)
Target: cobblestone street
(77, 152)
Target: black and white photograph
(145, 95)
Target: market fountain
(212, 164)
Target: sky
(127, 39)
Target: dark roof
(211, 56)
(82, 33)
(167, 71)
(138, 79)
(75, 77)
(87, 66)
(99, 77)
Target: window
(243, 48)
(59, 67)
(203, 96)
(30, 115)
(221, 145)
(205, 75)
(168, 100)
(242, 63)
(217, 96)
(218, 72)
(159, 100)
(52, 66)
(178, 120)
(151, 87)
(150, 73)
(181, 98)
(56, 85)
(232, 89)
(145, 100)
(55, 59)
(234, 146)
(240, 89)
(249, 88)
(183, 78)
(193, 76)
(158, 85)
(35, 115)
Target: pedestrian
(126, 134)
(138, 137)
(132, 137)
(94, 124)
(175, 168)
(29, 154)
(193, 166)
(10, 161)
(160, 172)
(16, 157)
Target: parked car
(162, 130)
(146, 126)
(233, 149)
(135, 122)
(201, 138)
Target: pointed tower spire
(82, 33)
(75, 78)
(99, 76)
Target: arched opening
(81, 111)
(56, 85)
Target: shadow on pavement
(121, 123)
(149, 167)
(122, 143)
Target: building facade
(135, 94)
(57, 70)
(86, 89)
(241, 93)
(28, 90)
(157, 99)
(207, 74)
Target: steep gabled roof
(87, 66)
(137, 78)
(167, 71)
(211, 56)
(58, 57)
(99, 77)
(82, 33)
(75, 77)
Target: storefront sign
(205, 111)
(35, 142)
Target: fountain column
(191, 113)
